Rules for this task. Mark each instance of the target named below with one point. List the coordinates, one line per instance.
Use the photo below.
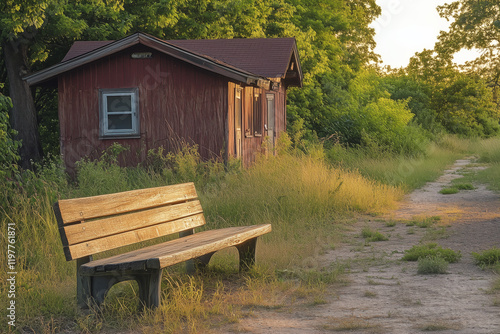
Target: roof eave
(154, 43)
(49, 73)
(200, 61)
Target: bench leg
(246, 251)
(149, 288)
(95, 288)
(199, 263)
(82, 284)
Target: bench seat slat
(118, 240)
(176, 251)
(96, 229)
(79, 209)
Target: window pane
(120, 122)
(119, 103)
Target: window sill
(119, 137)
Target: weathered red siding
(177, 102)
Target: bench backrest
(95, 224)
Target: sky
(409, 26)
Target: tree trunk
(23, 116)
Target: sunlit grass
(306, 199)
(299, 196)
(407, 172)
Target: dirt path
(386, 295)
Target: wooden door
(270, 121)
(237, 122)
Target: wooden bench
(96, 224)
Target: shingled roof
(241, 59)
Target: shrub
(371, 235)
(449, 191)
(465, 186)
(186, 165)
(432, 265)
(431, 249)
(456, 188)
(488, 257)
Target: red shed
(227, 96)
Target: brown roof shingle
(252, 61)
(262, 56)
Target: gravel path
(386, 295)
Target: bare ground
(386, 295)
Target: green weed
(465, 186)
(371, 235)
(449, 191)
(348, 324)
(490, 257)
(456, 188)
(390, 223)
(438, 326)
(423, 222)
(432, 250)
(432, 265)
(435, 234)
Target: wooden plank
(132, 237)
(101, 228)
(178, 250)
(79, 209)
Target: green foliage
(462, 102)
(430, 265)
(456, 188)
(418, 96)
(341, 97)
(424, 222)
(105, 175)
(465, 186)
(370, 118)
(371, 235)
(466, 107)
(449, 191)
(8, 146)
(474, 24)
(489, 257)
(186, 165)
(432, 250)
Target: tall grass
(401, 171)
(488, 151)
(302, 197)
(42, 295)
(305, 198)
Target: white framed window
(119, 113)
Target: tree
(476, 24)
(461, 101)
(418, 94)
(19, 23)
(334, 39)
(35, 34)
(335, 43)
(8, 146)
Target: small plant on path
(431, 249)
(490, 257)
(432, 265)
(456, 188)
(371, 235)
